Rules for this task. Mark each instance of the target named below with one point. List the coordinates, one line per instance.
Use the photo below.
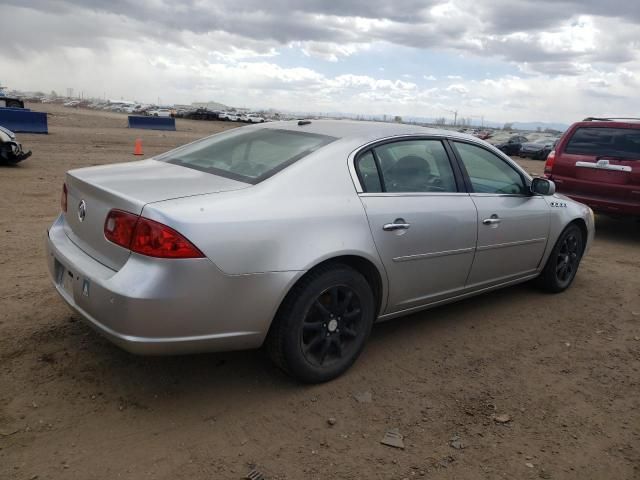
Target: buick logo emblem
(82, 210)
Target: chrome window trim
(412, 194)
(484, 194)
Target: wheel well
(583, 229)
(363, 266)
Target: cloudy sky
(506, 60)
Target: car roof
(608, 122)
(363, 130)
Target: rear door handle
(398, 224)
(494, 220)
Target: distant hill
(542, 125)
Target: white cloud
(458, 88)
(580, 59)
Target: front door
(423, 225)
(513, 224)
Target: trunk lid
(128, 187)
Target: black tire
(14, 104)
(563, 262)
(323, 324)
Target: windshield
(249, 156)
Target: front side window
(621, 143)
(408, 166)
(248, 156)
(488, 172)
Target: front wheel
(323, 324)
(562, 264)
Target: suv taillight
(147, 237)
(548, 165)
(63, 198)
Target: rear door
(513, 225)
(600, 162)
(423, 223)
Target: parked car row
(538, 149)
(241, 117)
(520, 145)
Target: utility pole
(455, 115)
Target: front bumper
(160, 307)
(12, 152)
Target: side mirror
(542, 186)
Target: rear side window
(369, 173)
(418, 166)
(248, 156)
(605, 142)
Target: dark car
(597, 162)
(11, 102)
(201, 114)
(513, 145)
(539, 149)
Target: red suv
(597, 162)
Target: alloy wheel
(567, 258)
(331, 326)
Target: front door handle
(494, 220)
(398, 224)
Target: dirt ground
(564, 368)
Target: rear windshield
(245, 154)
(602, 141)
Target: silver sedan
(301, 235)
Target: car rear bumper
(608, 206)
(531, 153)
(159, 307)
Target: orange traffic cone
(137, 149)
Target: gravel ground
(515, 384)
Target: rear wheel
(323, 324)
(562, 264)
(13, 104)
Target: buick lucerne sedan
(300, 236)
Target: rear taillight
(548, 165)
(63, 198)
(119, 227)
(147, 237)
